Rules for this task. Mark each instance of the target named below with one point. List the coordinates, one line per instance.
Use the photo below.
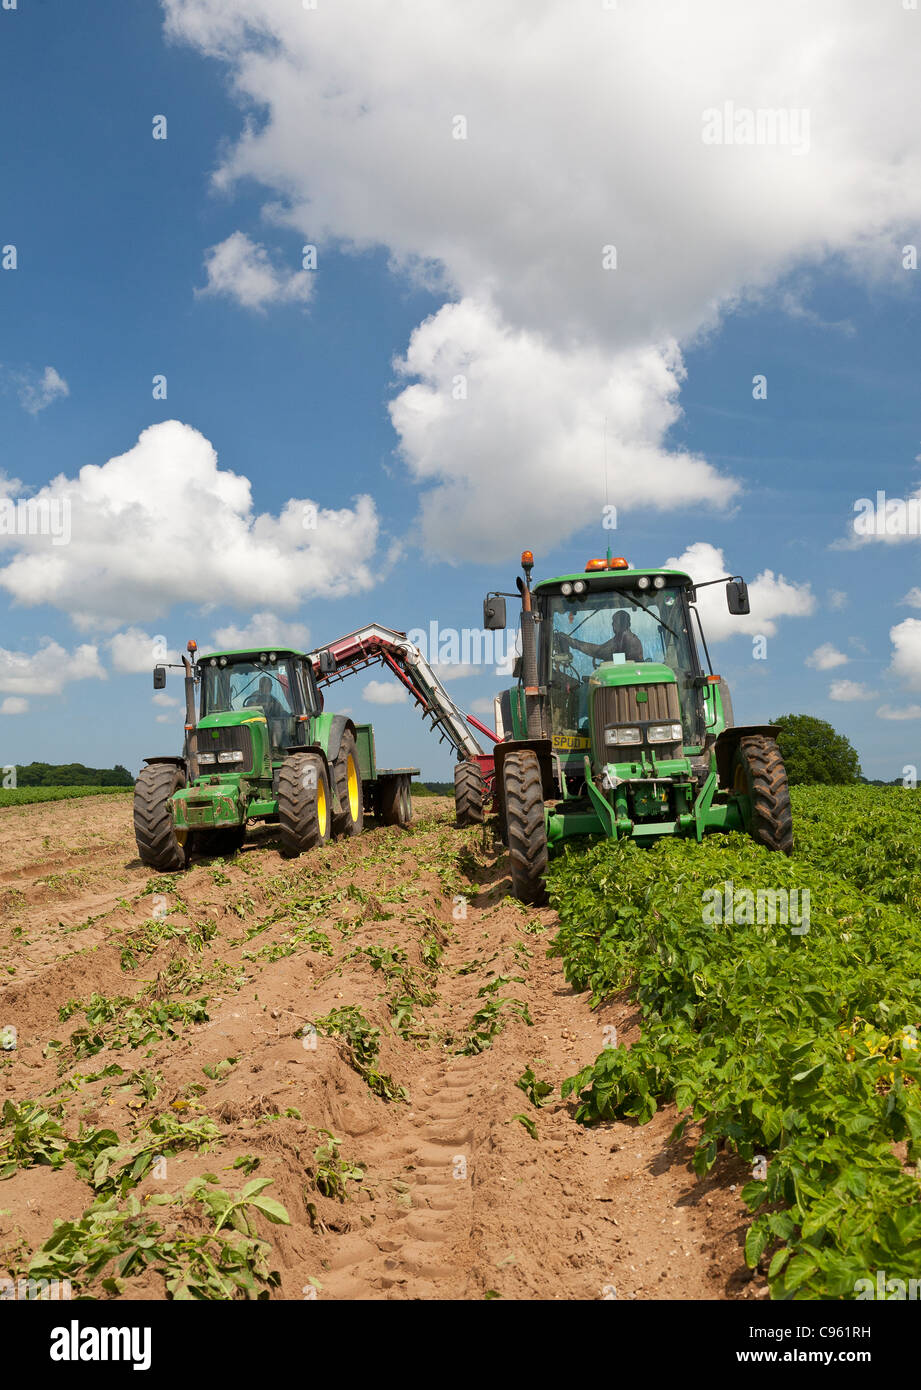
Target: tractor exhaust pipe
(191, 736)
(529, 650)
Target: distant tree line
(72, 775)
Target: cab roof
(593, 576)
(242, 653)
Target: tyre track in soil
(458, 1200)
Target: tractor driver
(622, 640)
(272, 707)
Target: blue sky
(113, 231)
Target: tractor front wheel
(759, 774)
(347, 781)
(160, 846)
(469, 793)
(526, 828)
(303, 803)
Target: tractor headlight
(664, 733)
(566, 589)
(579, 587)
(659, 581)
(622, 736)
(206, 757)
(236, 756)
(643, 582)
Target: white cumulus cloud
(826, 657)
(385, 693)
(501, 152)
(164, 524)
(135, 651)
(241, 269)
(770, 595)
(904, 712)
(49, 670)
(906, 655)
(14, 704)
(36, 389)
(849, 690)
(263, 629)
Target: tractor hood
(227, 718)
(632, 673)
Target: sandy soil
(458, 1200)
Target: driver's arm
(604, 650)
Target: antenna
(606, 472)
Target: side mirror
(327, 662)
(159, 677)
(516, 669)
(493, 613)
(737, 597)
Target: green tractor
(261, 749)
(616, 728)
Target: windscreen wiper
(636, 603)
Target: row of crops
(781, 1011)
(25, 796)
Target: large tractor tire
(759, 773)
(395, 801)
(469, 793)
(223, 843)
(347, 782)
(159, 845)
(303, 803)
(526, 829)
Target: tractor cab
(616, 727)
(278, 687)
(601, 633)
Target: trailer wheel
(395, 800)
(469, 793)
(759, 774)
(160, 845)
(526, 827)
(347, 781)
(303, 803)
(211, 843)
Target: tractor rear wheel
(395, 800)
(759, 774)
(347, 782)
(303, 803)
(526, 828)
(469, 793)
(160, 845)
(223, 843)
